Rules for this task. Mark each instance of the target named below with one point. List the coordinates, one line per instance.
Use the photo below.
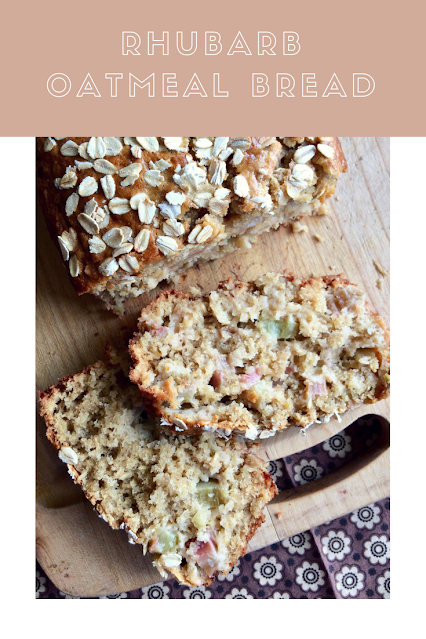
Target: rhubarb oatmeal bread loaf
(127, 213)
(258, 357)
(193, 502)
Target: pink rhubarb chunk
(249, 379)
(317, 388)
(206, 556)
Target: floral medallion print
(338, 445)
(238, 594)
(310, 576)
(40, 587)
(308, 470)
(383, 585)
(275, 468)
(298, 543)
(366, 517)
(198, 592)
(336, 545)
(232, 574)
(156, 591)
(346, 558)
(377, 549)
(267, 571)
(349, 581)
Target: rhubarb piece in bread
(127, 213)
(193, 502)
(258, 357)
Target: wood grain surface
(78, 551)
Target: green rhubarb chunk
(210, 493)
(165, 541)
(280, 329)
(200, 518)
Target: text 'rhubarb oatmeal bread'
(128, 213)
(261, 356)
(194, 502)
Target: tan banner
(343, 68)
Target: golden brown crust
(266, 170)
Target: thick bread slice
(258, 357)
(194, 502)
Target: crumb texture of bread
(193, 502)
(261, 356)
(127, 213)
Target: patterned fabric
(345, 558)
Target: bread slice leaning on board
(193, 502)
(258, 357)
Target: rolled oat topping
(88, 186)
(96, 148)
(150, 144)
(108, 266)
(204, 234)
(72, 203)
(123, 191)
(129, 263)
(326, 150)
(167, 245)
(49, 144)
(142, 240)
(173, 143)
(304, 154)
(173, 228)
(113, 146)
(96, 245)
(126, 247)
(68, 180)
(88, 223)
(146, 211)
(64, 249)
(69, 148)
(74, 266)
(104, 166)
(241, 186)
(114, 237)
(108, 186)
(119, 206)
(153, 177)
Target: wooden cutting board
(77, 550)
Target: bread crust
(266, 170)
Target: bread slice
(194, 502)
(127, 213)
(258, 357)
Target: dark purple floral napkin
(345, 558)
